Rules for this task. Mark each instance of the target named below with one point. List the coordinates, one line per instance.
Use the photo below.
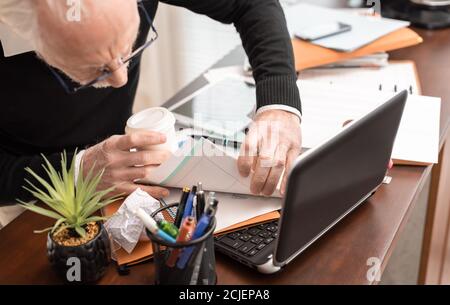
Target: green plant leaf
(52, 192)
(58, 223)
(93, 219)
(81, 231)
(61, 228)
(42, 231)
(54, 204)
(54, 176)
(71, 203)
(41, 211)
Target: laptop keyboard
(251, 240)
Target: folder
(144, 251)
(308, 55)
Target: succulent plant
(72, 204)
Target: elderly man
(96, 51)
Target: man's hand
(119, 163)
(272, 144)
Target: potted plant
(78, 238)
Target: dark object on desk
(326, 184)
(93, 256)
(220, 141)
(200, 268)
(322, 31)
(200, 200)
(181, 206)
(422, 13)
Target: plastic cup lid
(156, 119)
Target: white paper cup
(157, 119)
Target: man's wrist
(281, 107)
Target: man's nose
(119, 77)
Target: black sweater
(37, 116)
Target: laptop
(325, 184)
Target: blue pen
(189, 203)
(200, 229)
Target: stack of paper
(372, 60)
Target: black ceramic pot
(81, 264)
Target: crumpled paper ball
(124, 227)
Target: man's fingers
(276, 170)
(260, 176)
(139, 139)
(130, 174)
(291, 156)
(266, 157)
(155, 157)
(249, 150)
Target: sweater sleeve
(263, 30)
(13, 174)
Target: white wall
(187, 45)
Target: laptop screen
(329, 181)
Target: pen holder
(200, 269)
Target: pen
(211, 198)
(151, 225)
(202, 225)
(168, 227)
(169, 210)
(194, 208)
(186, 231)
(182, 206)
(196, 270)
(189, 202)
(200, 200)
(219, 141)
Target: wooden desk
(341, 255)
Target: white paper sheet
(326, 108)
(365, 29)
(233, 209)
(391, 78)
(201, 160)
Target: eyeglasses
(131, 60)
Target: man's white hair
(67, 34)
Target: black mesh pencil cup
(200, 268)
